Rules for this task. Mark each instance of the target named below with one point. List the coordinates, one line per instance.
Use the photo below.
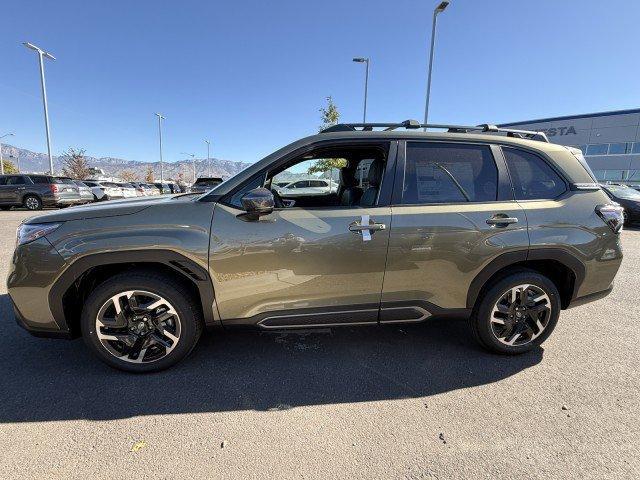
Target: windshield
(626, 193)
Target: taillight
(612, 215)
(54, 188)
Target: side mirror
(258, 201)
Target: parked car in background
(309, 187)
(128, 190)
(173, 187)
(140, 191)
(628, 198)
(86, 195)
(504, 230)
(36, 191)
(163, 187)
(110, 191)
(150, 189)
(204, 184)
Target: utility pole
(41, 55)
(2, 161)
(439, 9)
(208, 158)
(160, 118)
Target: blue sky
(251, 75)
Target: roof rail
(415, 125)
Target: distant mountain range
(39, 162)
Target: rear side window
(40, 180)
(532, 177)
(449, 173)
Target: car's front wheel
(141, 322)
(516, 313)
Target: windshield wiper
(453, 179)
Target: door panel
(298, 263)
(436, 251)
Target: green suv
(495, 225)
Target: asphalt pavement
(420, 401)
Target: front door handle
(501, 221)
(372, 227)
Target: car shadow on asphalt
(48, 380)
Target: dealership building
(610, 141)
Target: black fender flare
(186, 267)
(506, 259)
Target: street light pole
(366, 85)
(160, 118)
(193, 162)
(208, 158)
(41, 55)
(439, 9)
(2, 161)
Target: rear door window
(16, 180)
(449, 173)
(532, 177)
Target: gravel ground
(418, 401)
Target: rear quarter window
(532, 177)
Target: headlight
(30, 232)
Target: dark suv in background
(204, 184)
(37, 191)
(495, 225)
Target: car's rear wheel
(516, 313)
(141, 322)
(32, 202)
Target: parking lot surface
(419, 401)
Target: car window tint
(17, 180)
(532, 177)
(39, 180)
(449, 173)
(3, 180)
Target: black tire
(5, 208)
(481, 318)
(175, 293)
(32, 202)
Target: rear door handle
(373, 227)
(499, 221)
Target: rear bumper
(592, 297)
(63, 201)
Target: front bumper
(42, 333)
(32, 273)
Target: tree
(148, 177)
(75, 164)
(329, 116)
(9, 166)
(128, 176)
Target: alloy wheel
(138, 326)
(520, 315)
(32, 203)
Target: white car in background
(308, 187)
(104, 190)
(128, 190)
